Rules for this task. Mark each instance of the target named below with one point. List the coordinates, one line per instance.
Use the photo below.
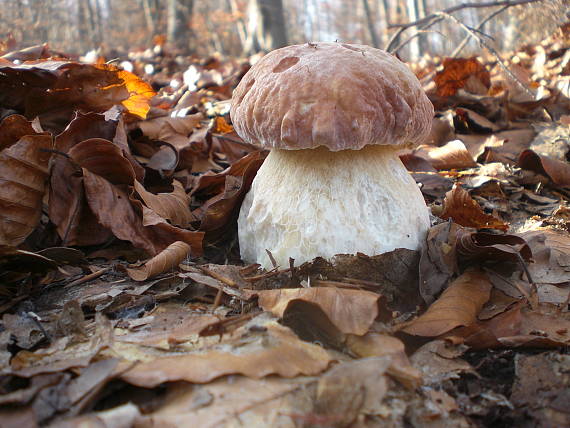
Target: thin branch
(507, 3)
(463, 43)
(424, 29)
(492, 50)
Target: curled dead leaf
(558, 171)
(166, 260)
(452, 155)
(459, 206)
(174, 206)
(481, 246)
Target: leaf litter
(124, 301)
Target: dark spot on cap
(286, 63)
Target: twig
(533, 299)
(492, 50)
(452, 9)
(490, 16)
(417, 34)
(87, 277)
(217, 276)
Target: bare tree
(266, 26)
(179, 16)
(370, 23)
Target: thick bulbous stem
(309, 203)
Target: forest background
(241, 27)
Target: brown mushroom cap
(335, 95)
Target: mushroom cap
(337, 95)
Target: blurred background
(237, 28)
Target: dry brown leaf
(311, 324)
(439, 361)
(523, 326)
(68, 208)
(274, 351)
(35, 88)
(274, 402)
(438, 261)
(551, 255)
(490, 247)
(558, 171)
(116, 211)
(458, 306)
(453, 155)
(229, 188)
(459, 73)
(166, 260)
(351, 311)
(173, 130)
(174, 206)
(170, 324)
(14, 127)
(352, 388)
(105, 159)
(382, 345)
(462, 209)
(24, 174)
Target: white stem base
(309, 203)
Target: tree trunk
(179, 16)
(149, 19)
(414, 43)
(370, 23)
(266, 26)
(240, 25)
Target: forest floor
(123, 300)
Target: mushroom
(334, 116)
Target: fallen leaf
(352, 388)
(453, 155)
(274, 351)
(459, 206)
(351, 311)
(39, 87)
(438, 261)
(439, 361)
(459, 73)
(521, 326)
(558, 171)
(458, 306)
(271, 402)
(24, 172)
(169, 325)
(14, 127)
(174, 206)
(551, 255)
(311, 324)
(381, 345)
(166, 260)
(481, 246)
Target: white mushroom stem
(315, 202)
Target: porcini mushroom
(334, 116)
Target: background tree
(179, 18)
(266, 28)
(232, 27)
